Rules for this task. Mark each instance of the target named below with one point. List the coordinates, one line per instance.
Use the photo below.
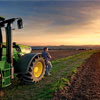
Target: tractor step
(5, 72)
(6, 77)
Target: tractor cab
(6, 54)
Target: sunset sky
(75, 22)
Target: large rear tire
(35, 72)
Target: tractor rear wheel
(36, 71)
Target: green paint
(5, 72)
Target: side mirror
(20, 23)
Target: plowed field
(86, 83)
(57, 54)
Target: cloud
(54, 21)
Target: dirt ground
(57, 54)
(86, 83)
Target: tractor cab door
(5, 70)
(0, 44)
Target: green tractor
(17, 60)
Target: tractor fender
(24, 62)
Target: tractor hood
(25, 49)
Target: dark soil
(86, 83)
(57, 54)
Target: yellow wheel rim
(37, 71)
